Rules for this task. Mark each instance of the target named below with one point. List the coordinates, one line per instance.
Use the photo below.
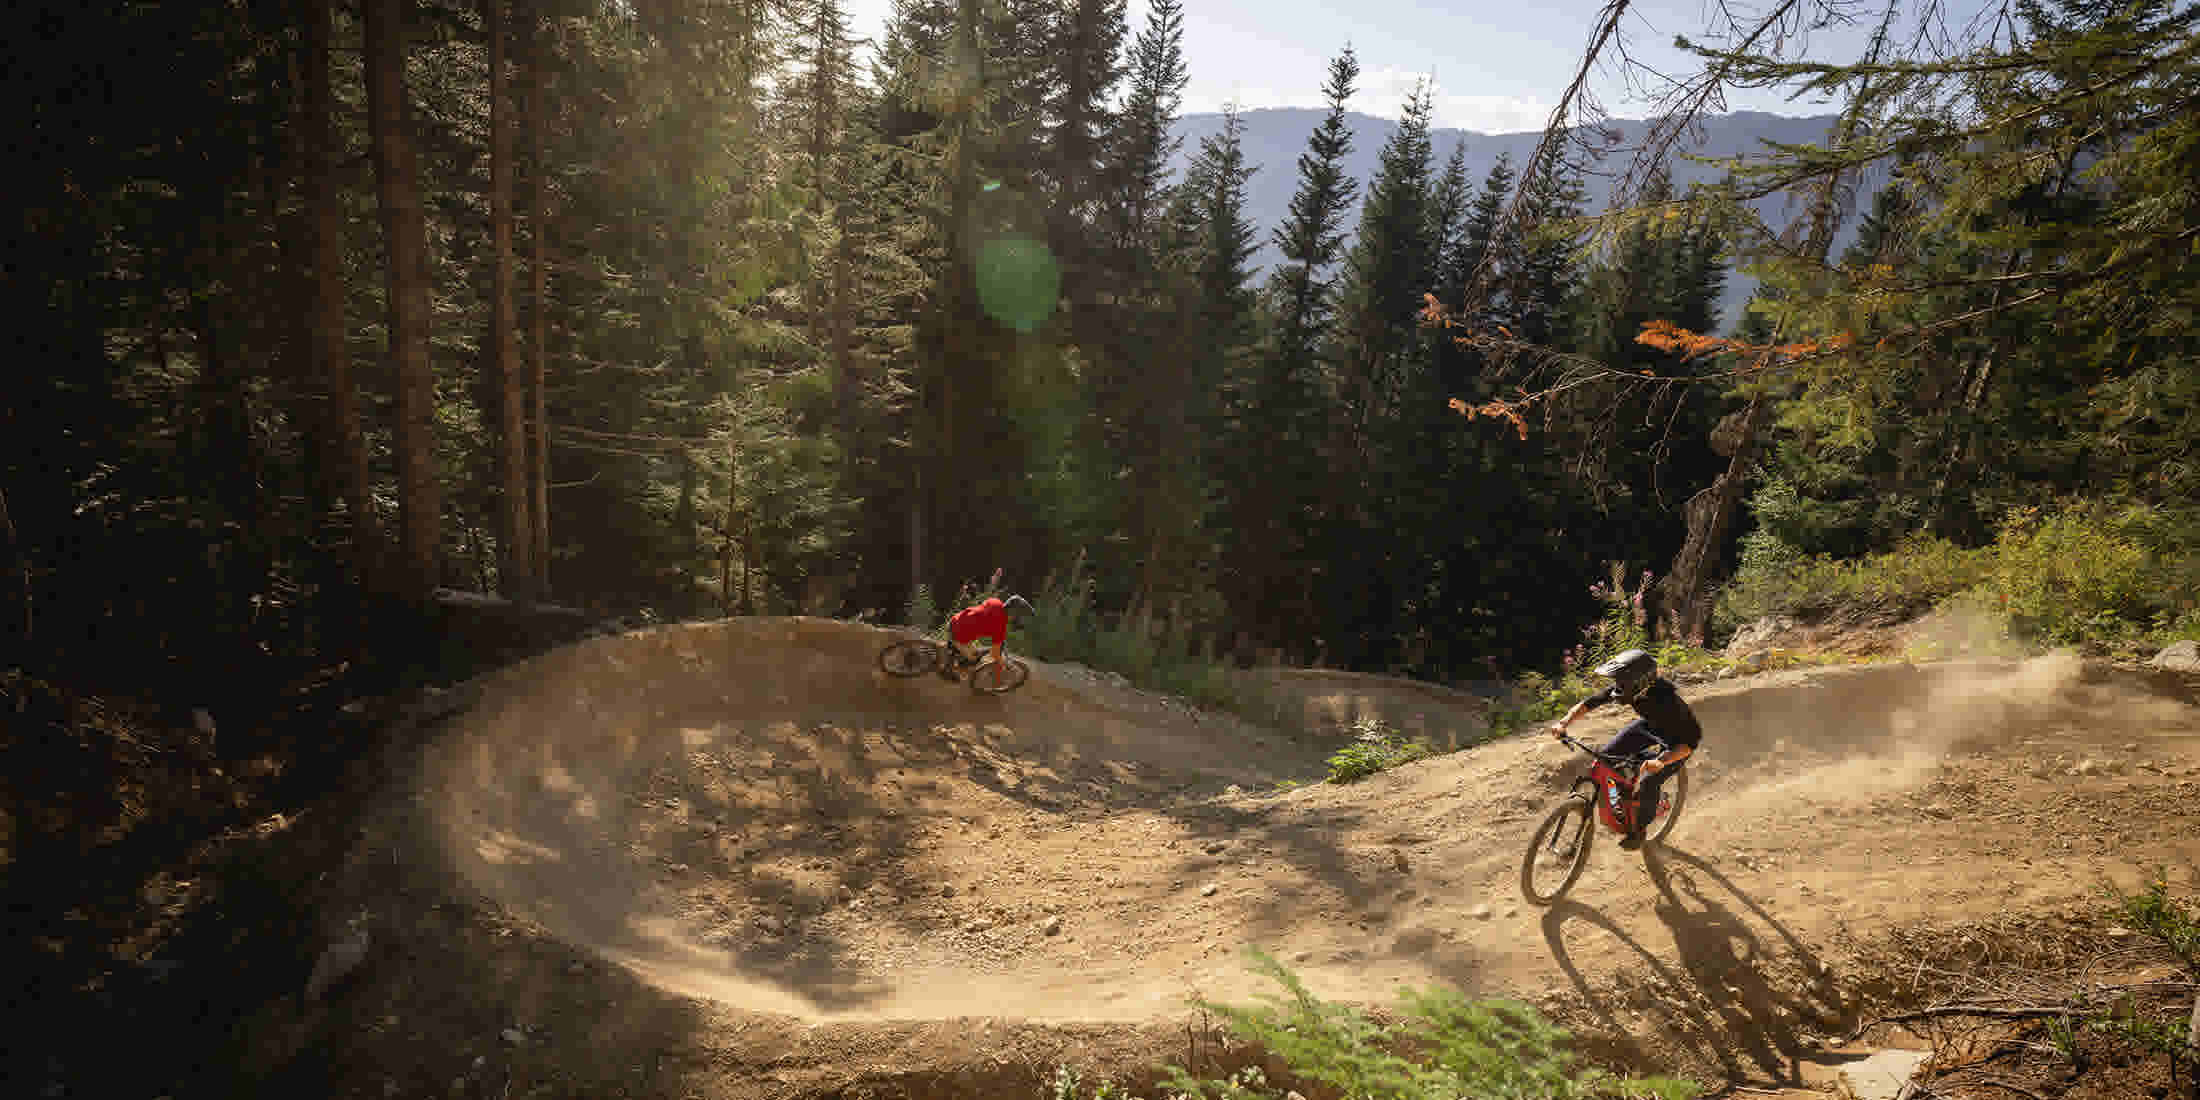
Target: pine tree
(1448, 209)
(1219, 328)
(1381, 365)
(1145, 141)
(1476, 238)
(1311, 239)
(515, 531)
(1391, 265)
(346, 460)
(404, 230)
(1270, 570)
(1087, 47)
(1541, 275)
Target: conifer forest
(690, 308)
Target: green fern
(1488, 1049)
(1375, 747)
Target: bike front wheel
(996, 677)
(909, 657)
(1558, 852)
(1671, 798)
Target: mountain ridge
(1274, 137)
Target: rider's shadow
(1731, 967)
(1623, 1045)
(1740, 1014)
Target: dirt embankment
(734, 860)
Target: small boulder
(1758, 635)
(1479, 912)
(1208, 890)
(339, 958)
(1052, 927)
(2178, 657)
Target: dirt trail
(749, 812)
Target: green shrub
(1444, 1047)
(1775, 579)
(1375, 747)
(1159, 656)
(1069, 1084)
(2175, 925)
(2073, 574)
(2083, 571)
(923, 611)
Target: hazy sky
(1498, 66)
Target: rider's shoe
(1632, 840)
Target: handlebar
(1657, 749)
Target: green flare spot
(1018, 281)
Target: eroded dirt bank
(734, 860)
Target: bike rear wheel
(1558, 852)
(909, 657)
(1671, 798)
(996, 677)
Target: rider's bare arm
(1578, 710)
(1672, 756)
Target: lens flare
(1018, 281)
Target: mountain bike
(987, 675)
(1561, 844)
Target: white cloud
(1383, 93)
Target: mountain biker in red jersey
(1664, 720)
(986, 621)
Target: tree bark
(916, 539)
(345, 444)
(515, 534)
(538, 474)
(1685, 611)
(21, 557)
(404, 230)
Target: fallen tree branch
(2015, 1088)
(2025, 1012)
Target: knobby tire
(1573, 818)
(1011, 677)
(1675, 795)
(909, 657)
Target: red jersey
(987, 620)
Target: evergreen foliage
(812, 337)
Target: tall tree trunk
(840, 330)
(20, 557)
(345, 444)
(916, 540)
(1962, 433)
(515, 534)
(1683, 594)
(538, 352)
(404, 230)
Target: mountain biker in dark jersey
(986, 621)
(1665, 720)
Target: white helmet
(1632, 672)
